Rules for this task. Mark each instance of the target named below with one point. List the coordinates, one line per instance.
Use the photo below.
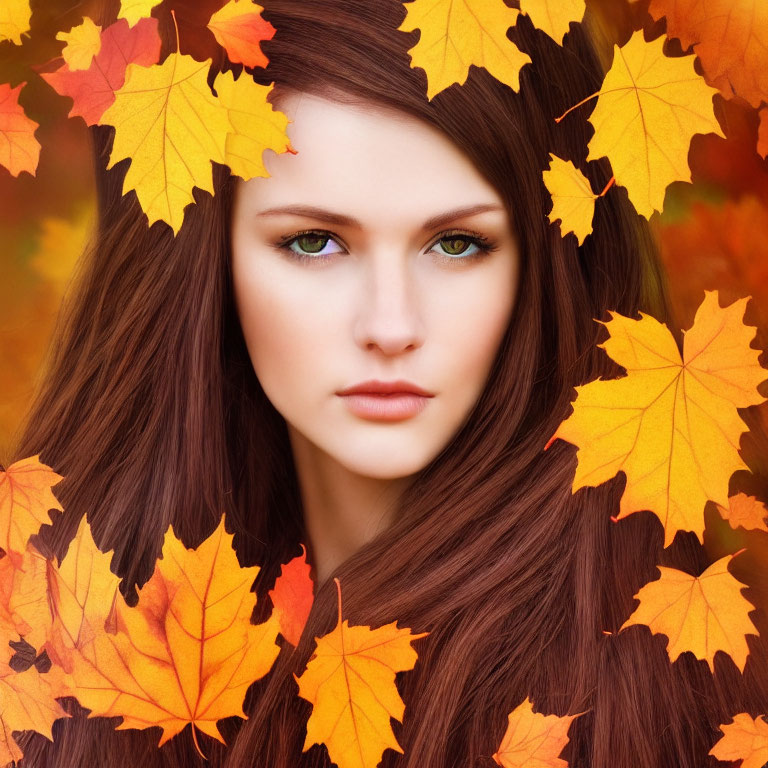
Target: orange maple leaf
(186, 653)
(24, 596)
(27, 699)
(729, 36)
(350, 681)
(292, 597)
(82, 593)
(743, 739)
(745, 511)
(92, 90)
(533, 740)
(25, 499)
(240, 29)
(19, 149)
(671, 424)
(703, 614)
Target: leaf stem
(608, 185)
(197, 746)
(176, 25)
(338, 589)
(570, 109)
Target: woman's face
(390, 282)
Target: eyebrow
(340, 219)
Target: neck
(343, 510)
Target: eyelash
(484, 245)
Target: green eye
(459, 243)
(312, 243)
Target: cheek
(475, 326)
(284, 329)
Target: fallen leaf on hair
(745, 739)
(702, 614)
(25, 499)
(171, 127)
(93, 90)
(14, 20)
(648, 109)
(240, 29)
(455, 36)
(83, 43)
(730, 37)
(82, 593)
(292, 597)
(350, 682)
(573, 201)
(133, 10)
(554, 16)
(745, 511)
(671, 424)
(19, 149)
(533, 740)
(257, 126)
(187, 652)
(24, 596)
(28, 703)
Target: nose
(389, 316)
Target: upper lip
(376, 387)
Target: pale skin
(385, 294)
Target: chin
(383, 467)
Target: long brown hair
(152, 412)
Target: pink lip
(376, 387)
(386, 407)
(385, 401)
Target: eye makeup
(483, 244)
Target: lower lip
(386, 407)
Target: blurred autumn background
(713, 233)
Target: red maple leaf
(93, 90)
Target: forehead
(368, 161)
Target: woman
(199, 375)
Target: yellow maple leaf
(14, 20)
(554, 16)
(134, 10)
(458, 33)
(648, 109)
(745, 739)
(186, 653)
(171, 126)
(25, 499)
(350, 681)
(83, 42)
(532, 739)
(702, 614)
(573, 201)
(257, 125)
(671, 425)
